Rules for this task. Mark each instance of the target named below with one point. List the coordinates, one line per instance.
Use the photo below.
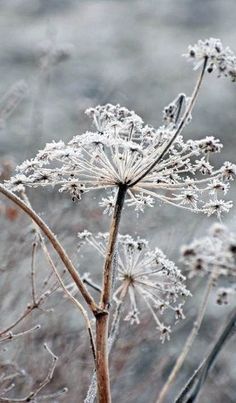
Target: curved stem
(189, 340)
(179, 128)
(102, 319)
(56, 245)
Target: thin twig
(27, 311)
(11, 336)
(59, 279)
(33, 286)
(32, 395)
(71, 297)
(179, 128)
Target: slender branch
(197, 380)
(33, 285)
(189, 340)
(102, 367)
(179, 128)
(91, 284)
(27, 311)
(59, 279)
(10, 336)
(32, 395)
(56, 245)
(72, 299)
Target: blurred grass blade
(197, 380)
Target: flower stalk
(102, 319)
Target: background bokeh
(58, 57)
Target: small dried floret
(217, 207)
(228, 171)
(108, 203)
(210, 145)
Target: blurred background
(57, 58)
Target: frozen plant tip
(218, 58)
(145, 276)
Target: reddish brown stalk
(102, 319)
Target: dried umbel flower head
(216, 251)
(220, 59)
(148, 163)
(121, 150)
(145, 277)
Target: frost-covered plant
(135, 164)
(214, 252)
(219, 58)
(145, 277)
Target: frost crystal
(122, 149)
(146, 277)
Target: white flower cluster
(120, 151)
(145, 276)
(217, 252)
(218, 58)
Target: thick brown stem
(102, 320)
(107, 270)
(102, 367)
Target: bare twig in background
(56, 244)
(195, 383)
(32, 396)
(11, 99)
(64, 288)
(10, 336)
